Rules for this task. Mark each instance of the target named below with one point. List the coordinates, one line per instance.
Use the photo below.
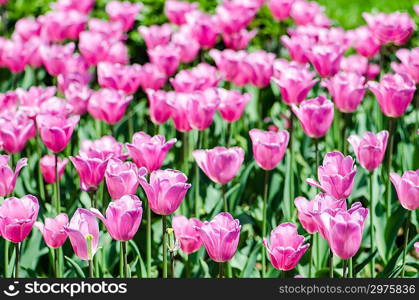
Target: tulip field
(209, 139)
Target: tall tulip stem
(223, 190)
(197, 179)
(344, 267)
(6, 258)
(56, 267)
(350, 275)
(57, 187)
(331, 264)
(265, 205)
(391, 129)
(291, 174)
(164, 224)
(148, 241)
(125, 259)
(406, 240)
(17, 259)
(40, 179)
(310, 266)
(372, 206)
(220, 270)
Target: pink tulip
(325, 59)
(187, 233)
(407, 188)
(15, 131)
(122, 178)
(294, 81)
(53, 230)
(343, 229)
(57, 26)
(239, 40)
(336, 175)
(166, 57)
(124, 12)
(26, 28)
(416, 245)
(17, 217)
(199, 78)
(103, 148)
(31, 100)
(55, 57)
(155, 35)
(232, 104)
(176, 11)
(298, 46)
(390, 28)
(149, 152)
(47, 166)
(33, 51)
(94, 46)
(110, 29)
(394, 93)
(370, 148)
(409, 63)
(315, 115)
(123, 217)
(83, 226)
(108, 105)
(166, 190)
(186, 43)
(308, 209)
(91, 171)
(152, 77)
(261, 63)
(304, 12)
(119, 77)
(8, 176)
(179, 103)
(220, 164)
(347, 90)
(9, 101)
(83, 6)
(117, 53)
(78, 96)
(201, 108)
(269, 147)
(204, 28)
(14, 55)
(56, 131)
(285, 247)
(55, 106)
(79, 78)
(280, 9)
(232, 17)
(365, 43)
(416, 9)
(373, 71)
(220, 237)
(159, 109)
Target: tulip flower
(83, 231)
(55, 57)
(239, 40)
(347, 90)
(17, 216)
(159, 109)
(409, 63)
(91, 171)
(231, 17)
(119, 77)
(9, 101)
(15, 131)
(176, 11)
(280, 9)
(220, 237)
(124, 12)
(83, 6)
(122, 178)
(370, 148)
(108, 105)
(179, 103)
(53, 230)
(297, 46)
(200, 78)
(57, 26)
(110, 29)
(354, 64)
(14, 55)
(149, 152)
(305, 12)
(336, 175)
(285, 247)
(394, 93)
(315, 115)
(78, 96)
(47, 166)
(365, 43)
(232, 104)
(201, 108)
(407, 188)
(8, 178)
(166, 57)
(186, 43)
(325, 58)
(103, 148)
(204, 28)
(261, 63)
(94, 46)
(56, 131)
(155, 35)
(26, 28)
(152, 77)
(343, 229)
(294, 81)
(187, 233)
(55, 106)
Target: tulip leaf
(250, 267)
(75, 266)
(365, 262)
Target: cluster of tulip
(91, 78)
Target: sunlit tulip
(220, 164)
(55, 106)
(261, 63)
(199, 78)
(364, 42)
(119, 77)
(165, 190)
(103, 148)
(155, 35)
(204, 28)
(83, 6)
(285, 247)
(94, 46)
(47, 166)
(325, 59)
(55, 57)
(176, 11)
(159, 109)
(152, 77)
(53, 230)
(166, 57)
(26, 28)
(231, 16)
(123, 217)
(187, 233)
(78, 96)
(370, 148)
(186, 43)
(14, 55)
(179, 103)
(124, 12)
(91, 171)
(58, 26)
(202, 106)
(239, 40)
(336, 175)
(305, 12)
(280, 9)
(297, 46)
(110, 29)
(232, 104)
(220, 237)
(409, 63)
(15, 131)
(407, 188)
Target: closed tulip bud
(155, 35)
(47, 166)
(187, 233)
(56, 131)
(17, 216)
(91, 171)
(394, 93)
(285, 247)
(407, 188)
(343, 229)
(122, 178)
(201, 108)
(220, 237)
(176, 11)
(370, 148)
(409, 63)
(166, 57)
(83, 231)
(149, 152)
(336, 175)
(8, 178)
(315, 115)
(269, 147)
(308, 209)
(108, 105)
(347, 90)
(280, 9)
(232, 104)
(165, 191)
(220, 164)
(325, 59)
(53, 230)
(158, 108)
(179, 103)
(119, 77)
(123, 217)
(15, 131)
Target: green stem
(310, 266)
(17, 259)
(331, 264)
(172, 263)
(318, 251)
(264, 210)
(350, 275)
(55, 253)
(125, 259)
(392, 127)
(223, 190)
(57, 187)
(291, 181)
(372, 206)
(228, 134)
(344, 267)
(316, 144)
(220, 270)
(164, 223)
(6, 258)
(91, 274)
(197, 179)
(188, 266)
(148, 242)
(40, 178)
(406, 239)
